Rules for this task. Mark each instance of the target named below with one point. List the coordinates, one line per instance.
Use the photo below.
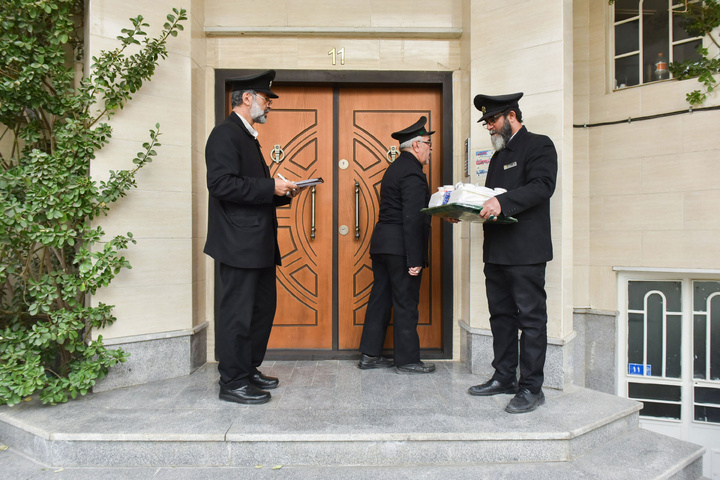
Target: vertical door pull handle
(357, 209)
(312, 222)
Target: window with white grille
(671, 359)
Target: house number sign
(337, 53)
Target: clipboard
(309, 182)
(464, 212)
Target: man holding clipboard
(242, 238)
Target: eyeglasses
(492, 120)
(267, 100)
(425, 142)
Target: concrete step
(662, 457)
(558, 432)
(642, 454)
(330, 415)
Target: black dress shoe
(247, 394)
(525, 401)
(367, 362)
(493, 387)
(262, 381)
(419, 367)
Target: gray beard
(498, 142)
(258, 114)
(501, 138)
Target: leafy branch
(52, 252)
(700, 19)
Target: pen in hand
(288, 193)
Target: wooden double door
(343, 136)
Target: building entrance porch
(340, 131)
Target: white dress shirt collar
(252, 131)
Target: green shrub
(53, 253)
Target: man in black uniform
(398, 250)
(515, 255)
(242, 238)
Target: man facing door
(399, 251)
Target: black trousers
(517, 301)
(244, 322)
(393, 290)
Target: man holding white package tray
(516, 254)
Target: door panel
(301, 124)
(367, 117)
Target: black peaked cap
(260, 82)
(417, 129)
(492, 105)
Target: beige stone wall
(645, 191)
(157, 294)
(202, 112)
(334, 13)
(581, 194)
(529, 49)
(632, 195)
(279, 35)
(462, 232)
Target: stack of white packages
(465, 193)
(441, 197)
(470, 194)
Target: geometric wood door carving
(302, 125)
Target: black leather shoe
(493, 387)
(262, 381)
(367, 362)
(419, 367)
(525, 401)
(247, 394)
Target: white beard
(501, 137)
(258, 114)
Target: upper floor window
(649, 34)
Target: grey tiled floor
(329, 400)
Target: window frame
(687, 381)
(672, 8)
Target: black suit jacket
(242, 224)
(527, 169)
(402, 229)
